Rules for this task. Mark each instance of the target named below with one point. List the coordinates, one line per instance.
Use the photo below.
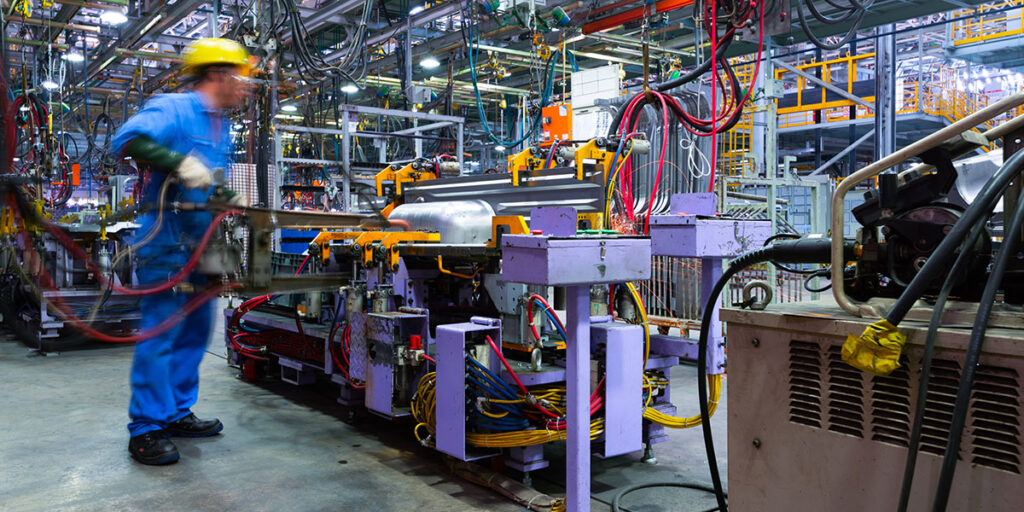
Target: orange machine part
(556, 122)
(76, 175)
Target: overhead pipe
(46, 23)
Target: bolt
(756, 342)
(757, 443)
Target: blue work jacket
(181, 122)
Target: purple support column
(711, 271)
(577, 360)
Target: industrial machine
(885, 397)
(454, 320)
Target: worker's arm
(190, 170)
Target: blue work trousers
(165, 370)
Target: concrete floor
(283, 448)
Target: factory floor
(283, 448)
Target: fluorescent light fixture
(289, 108)
(73, 57)
(416, 10)
(49, 85)
(238, 126)
(499, 149)
(350, 89)
(113, 17)
(430, 62)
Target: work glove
(193, 173)
(190, 170)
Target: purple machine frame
(577, 262)
(691, 230)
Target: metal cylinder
(315, 301)
(566, 153)
(458, 222)
(641, 146)
(451, 167)
(355, 301)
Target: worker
(180, 137)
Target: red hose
(58, 302)
(180, 276)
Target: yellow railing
(988, 22)
(934, 91)
(734, 157)
(841, 72)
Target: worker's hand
(194, 174)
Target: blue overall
(165, 370)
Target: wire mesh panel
(674, 290)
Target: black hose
(818, 42)
(963, 394)
(704, 67)
(751, 258)
(810, 249)
(939, 260)
(617, 507)
(926, 364)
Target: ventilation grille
(890, 407)
(845, 395)
(826, 393)
(995, 419)
(938, 407)
(805, 383)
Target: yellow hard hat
(212, 50)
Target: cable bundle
(856, 10)
(310, 62)
(724, 114)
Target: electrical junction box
(556, 123)
(418, 94)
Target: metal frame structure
(349, 114)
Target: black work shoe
(190, 426)
(153, 448)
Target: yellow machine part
(523, 161)
(515, 224)
(406, 174)
(591, 151)
(366, 240)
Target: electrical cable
(926, 364)
(617, 501)
(973, 353)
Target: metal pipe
(931, 141)
(149, 55)
(755, 197)
(992, 135)
(90, 5)
(16, 40)
(48, 23)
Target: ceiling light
(350, 88)
(499, 149)
(113, 17)
(49, 85)
(238, 126)
(73, 57)
(289, 108)
(430, 62)
(416, 10)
